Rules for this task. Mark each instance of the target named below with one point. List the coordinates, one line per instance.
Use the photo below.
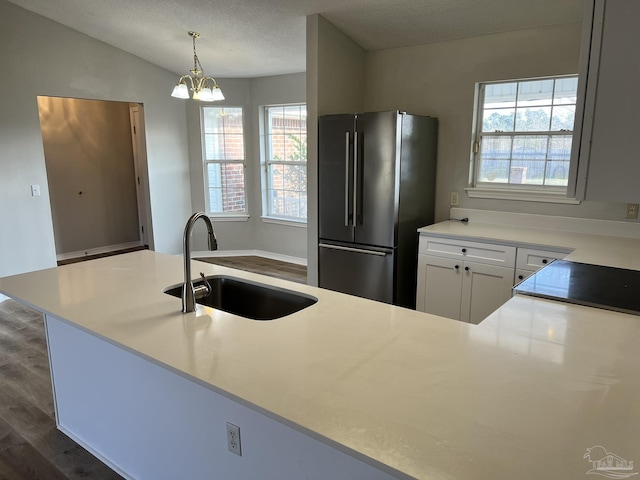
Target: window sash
(523, 159)
(222, 198)
(287, 202)
(224, 166)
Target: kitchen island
(346, 388)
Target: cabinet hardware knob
(457, 267)
(464, 250)
(544, 260)
(520, 277)
(466, 269)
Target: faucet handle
(202, 291)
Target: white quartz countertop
(621, 252)
(522, 395)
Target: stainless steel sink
(249, 299)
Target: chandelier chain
(197, 66)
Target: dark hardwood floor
(101, 255)
(265, 266)
(31, 447)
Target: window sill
(526, 195)
(228, 218)
(281, 221)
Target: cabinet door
(612, 105)
(439, 286)
(484, 289)
(521, 275)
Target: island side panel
(147, 422)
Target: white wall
(254, 233)
(335, 84)
(41, 57)
(438, 80)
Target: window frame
(221, 215)
(514, 191)
(267, 162)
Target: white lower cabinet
(439, 286)
(484, 289)
(462, 290)
(522, 275)
(468, 280)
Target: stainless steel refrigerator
(376, 186)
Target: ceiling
(251, 38)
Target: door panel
(485, 288)
(359, 272)
(377, 198)
(335, 177)
(439, 286)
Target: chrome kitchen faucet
(189, 292)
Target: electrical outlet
(455, 200)
(233, 439)
(632, 210)
(35, 190)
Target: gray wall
(438, 80)
(335, 84)
(41, 57)
(254, 233)
(281, 89)
(89, 158)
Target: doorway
(95, 158)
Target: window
(285, 129)
(524, 130)
(224, 160)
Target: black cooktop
(610, 288)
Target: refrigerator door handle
(355, 178)
(346, 181)
(351, 249)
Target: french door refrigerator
(376, 187)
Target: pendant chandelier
(203, 88)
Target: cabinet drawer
(487, 253)
(530, 259)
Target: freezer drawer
(357, 271)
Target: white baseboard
(566, 224)
(256, 253)
(97, 251)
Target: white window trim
(284, 221)
(265, 162)
(217, 217)
(520, 193)
(529, 193)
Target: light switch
(35, 190)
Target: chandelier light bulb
(206, 95)
(180, 91)
(216, 94)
